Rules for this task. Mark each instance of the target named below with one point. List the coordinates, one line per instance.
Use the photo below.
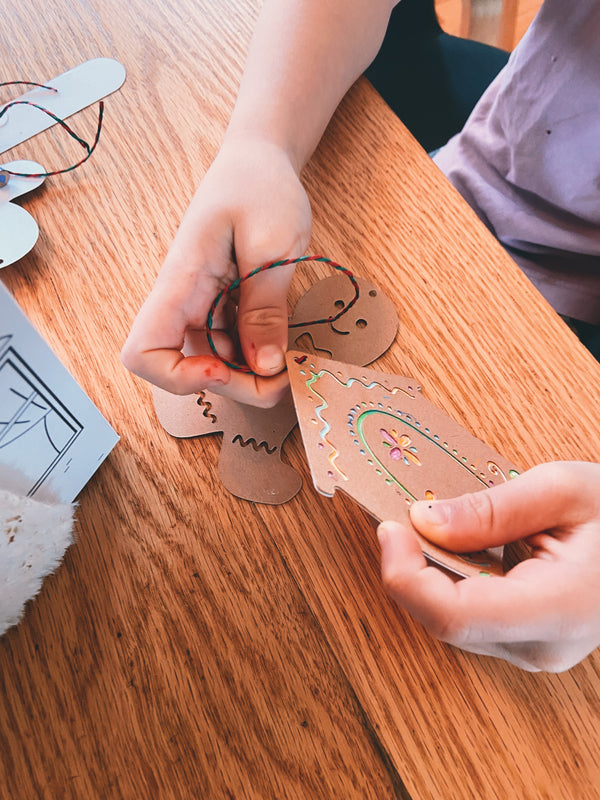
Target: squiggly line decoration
(254, 444)
(207, 405)
(334, 454)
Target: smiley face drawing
(358, 337)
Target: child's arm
(544, 614)
(304, 56)
(251, 207)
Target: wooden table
(193, 645)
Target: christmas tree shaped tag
(375, 437)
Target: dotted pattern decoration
(87, 147)
(399, 448)
(272, 265)
(359, 412)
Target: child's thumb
(263, 320)
(540, 499)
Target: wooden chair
(489, 21)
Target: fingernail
(384, 531)
(436, 513)
(270, 358)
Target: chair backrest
(432, 80)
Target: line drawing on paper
(36, 429)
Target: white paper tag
(76, 89)
(18, 229)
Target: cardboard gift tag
(250, 464)
(377, 439)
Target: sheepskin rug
(33, 539)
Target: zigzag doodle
(254, 444)
(207, 407)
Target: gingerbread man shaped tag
(250, 465)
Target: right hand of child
(250, 209)
(544, 614)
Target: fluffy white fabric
(33, 539)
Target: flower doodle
(401, 448)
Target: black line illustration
(36, 429)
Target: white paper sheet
(52, 437)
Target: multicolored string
(88, 148)
(271, 265)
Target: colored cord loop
(271, 265)
(87, 147)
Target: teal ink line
(359, 430)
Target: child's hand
(250, 209)
(544, 614)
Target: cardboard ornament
(377, 439)
(250, 464)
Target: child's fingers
(263, 320)
(539, 601)
(254, 390)
(546, 497)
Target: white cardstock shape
(76, 89)
(18, 229)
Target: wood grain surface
(193, 645)
(507, 20)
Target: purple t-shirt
(528, 158)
